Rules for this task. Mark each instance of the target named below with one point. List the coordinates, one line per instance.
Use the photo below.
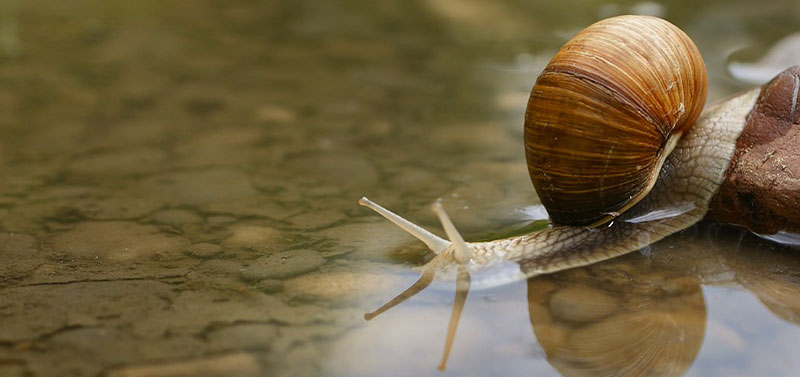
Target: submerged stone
(372, 241)
(243, 336)
(117, 240)
(204, 250)
(282, 264)
(252, 237)
(177, 217)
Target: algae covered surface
(179, 184)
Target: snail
(617, 151)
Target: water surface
(179, 185)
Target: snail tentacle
(434, 242)
(462, 251)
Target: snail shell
(605, 113)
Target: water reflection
(728, 257)
(621, 318)
(643, 314)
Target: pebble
(338, 285)
(581, 304)
(237, 364)
(282, 265)
(254, 237)
(204, 250)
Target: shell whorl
(605, 113)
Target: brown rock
(761, 190)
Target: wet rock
(119, 162)
(117, 240)
(338, 285)
(316, 218)
(761, 190)
(255, 206)
(252, 237)
(192, 312)
(334, 168)
(473, 206)
(37, 310)
(270, 285)
(291, 336)
(581, 304)
(371, 241)
(127, 206)
(199, 187)
(245, 336)
(282, 264)
(20, 255)
(237, 364)
(220, 267)
(177, 217)
(68, 210)
(204, 250)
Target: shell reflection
(619, 318)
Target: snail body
(618, 152)
(687, 182)
(608, 136)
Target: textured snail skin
(689, 178)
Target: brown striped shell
(605, 113)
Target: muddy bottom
(179, 186)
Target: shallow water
(179, 185)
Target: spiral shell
(605, 113)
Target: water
(179, 186)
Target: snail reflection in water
(617, 151)
(623, 317)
